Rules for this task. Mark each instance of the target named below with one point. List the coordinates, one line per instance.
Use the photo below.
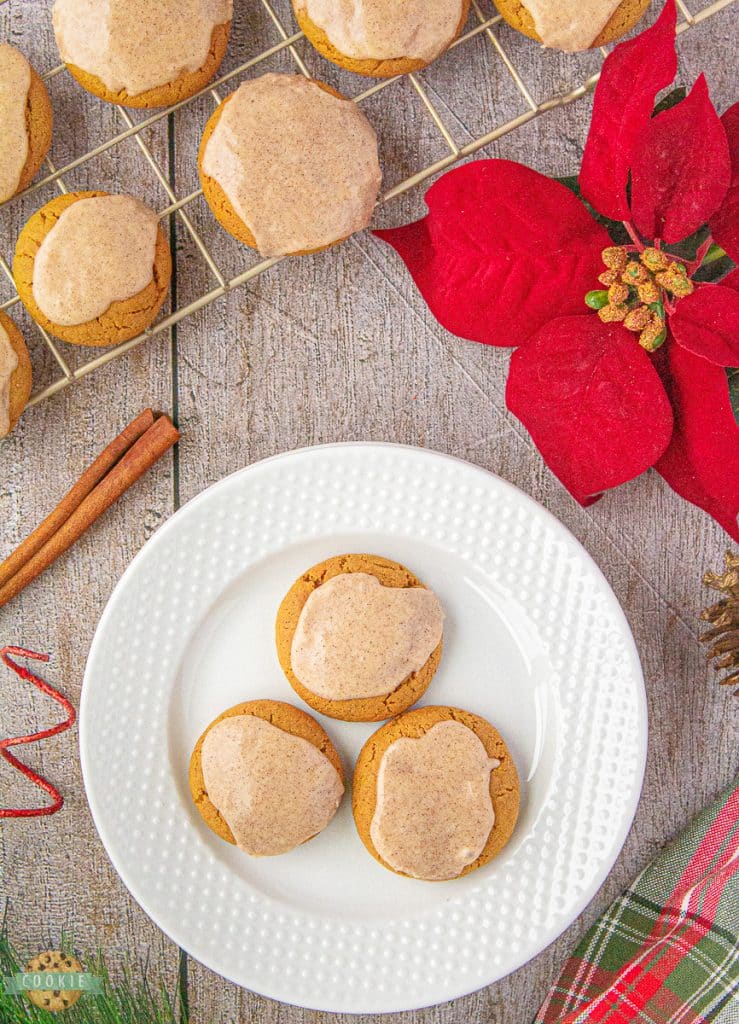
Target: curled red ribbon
(36, 779)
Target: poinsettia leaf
(502, 250)
(732, 372)
(706, 323)
(702, 460)
(725, 222)
(670, 99)
(733, 379)
(592, 401)
(632, 76)
(714, 271)
(615, 228)
(680, 171)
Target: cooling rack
(178, 205)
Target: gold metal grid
(178, 204)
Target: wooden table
(334, 347)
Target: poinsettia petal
(706, 323)
(731, 280)
(725, 222)
(680, 170)
(502, 250)
(702, 461)
(632, 76)
(592, 401)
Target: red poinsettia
(507, 256)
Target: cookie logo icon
(54, 965)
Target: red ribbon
(37, 780)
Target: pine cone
(723, 636)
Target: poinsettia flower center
(642, 285)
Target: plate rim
(641, 747)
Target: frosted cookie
(288, 166)
(359, 637)
(435, 794)
(16, 377)
(381, 38)
(573, 25)
(139, 53)
(26, 119)
(265, 776)
(93, 268)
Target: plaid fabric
(667, 951)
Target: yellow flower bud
(675, 279)
(654, 260)
(648, 292)
(612, 314)
(635, 274)
(618, 294)
(615, 257)
(653, 334)
(637, 319)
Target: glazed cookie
(435, 794)
(26, 117)
(265, 776)
(289, 166)
(142, 54)
(573, 25)
(56, 962)
(381, 38)
(92, 268)
(16, 377)
(359, 637)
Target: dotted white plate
(535, 641)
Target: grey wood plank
(54, 870)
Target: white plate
(535, 641)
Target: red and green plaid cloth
(667, 951)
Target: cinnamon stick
(160, 436)
(72, 500)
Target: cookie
(102, 249)
(54, 1000)
(619, 21)
(27, 119)
(363, 709)
(154, 55)
(284, 716)
(401, 38)
(15, 390)
(289, 166)
(504, 782)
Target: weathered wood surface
(326, 348)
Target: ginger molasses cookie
(93, 268)
(26, 119)
(435, 793)
(573, 25)
(139, 53)
(16, 376)
(289, 166)
(359, 637)
(381, 38)
(265, 776)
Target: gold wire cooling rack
(178, 204)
